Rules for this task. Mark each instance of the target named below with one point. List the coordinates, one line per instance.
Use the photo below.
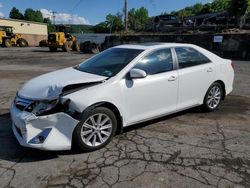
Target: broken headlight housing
(43, 107)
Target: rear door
(196, 73)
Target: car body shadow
(195, 110)
(10, 149)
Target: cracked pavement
(187, 149)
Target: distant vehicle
(88, 104)
(62, 39)
(9, 39)
(166, 20)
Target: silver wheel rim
(96, 130)
(214, 97)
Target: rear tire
(66, 46)
(22, 43)
(7, 43)
(76, 46)
(95, 130)
(52, 49)
(95, 48)
(213, 97)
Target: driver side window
(156, 62)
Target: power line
(76, 5)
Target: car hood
(49, 86)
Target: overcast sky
(91, 11)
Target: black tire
(22, 42)
(66, 46)
(77, 136)
(52, 49)
(7, 43)
(95, 48)
(76, 46)
(209, 99)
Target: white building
(33, 32)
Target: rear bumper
(50, 132)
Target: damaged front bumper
(48, 132)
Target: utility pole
(126, 15)
(54, 17)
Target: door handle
(172, 78)
(210, 69)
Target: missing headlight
(43, 107)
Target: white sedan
(88, 104)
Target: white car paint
(38, 88)
(137, 100)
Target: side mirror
(137, 73)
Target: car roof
(154, 45)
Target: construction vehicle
(9, 39)
(62, 39)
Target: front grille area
(23, 104)
(52, 38)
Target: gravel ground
(188, 149)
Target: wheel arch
(114, 109)
(223, 87)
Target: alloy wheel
(96, 130)
(214, 97)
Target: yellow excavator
(62, 39)
(9, 39)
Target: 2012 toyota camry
(88, 104)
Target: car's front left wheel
(96, 129)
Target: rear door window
(188, 57)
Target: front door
(154, 95)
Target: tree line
(137, 21)
(139, 18)
(235, 8)
(31, 15)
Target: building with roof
(33, 32)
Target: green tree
(197, 8)
(32, 15)
(238, 9)
(101, 28)
(220, 5)
(182, 14)
(207, 8)
(114, 22)
(248, 8)
(138, 19)
(16, 14)
(51, 27)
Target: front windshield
(109, 62)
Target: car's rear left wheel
(96, 129)
(213, 97)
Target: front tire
(213, 97)
(95, 130)
(7, 43)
